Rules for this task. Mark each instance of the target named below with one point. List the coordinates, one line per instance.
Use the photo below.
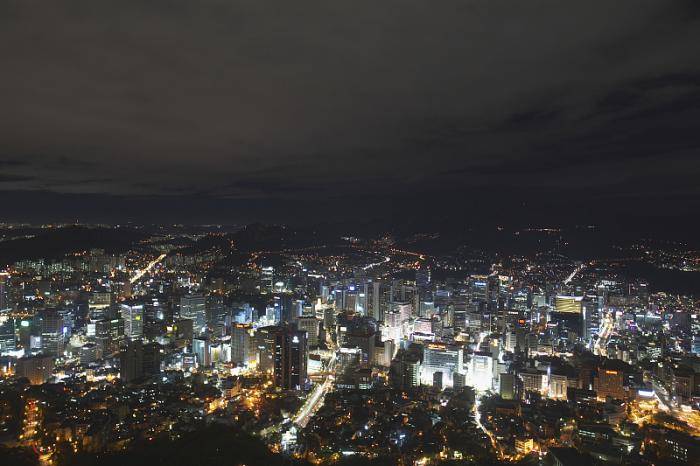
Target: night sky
(234, 111)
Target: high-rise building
(290, 359)
(8, 334)
(590, 318)
(378, 300)
(38, 369)
(609, 383)
(89, 353)
(193, 307)
(569, 304)
(151, 359)
(558, 384)
(4, 299)
(131, 362)
(285, 307)
(133, 320)
(200, 348)
(241, 343)
(442, 358)
(52, 331)
(267, 280)
(405, 369)
(481, 370)
(309, 324)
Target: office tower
(404, 309)
(422, 277)
(52, 331)
(348, 358)
(481, 370)
(350, 303)
(423, 325)
(444, 359)
(216, 310)
(200, 348)
(193, 307)
(182, 331)
(558, 384)
(8, 334)
(479, 287)
(534, 380)
(378, 300)
(507, 386)
(392, 328)
(240, 343)
(108, 334)
(310, 325)
(609, 383)
(362, 306)
(590, 318)
(99, 303)
(133, 320)
(151, 359)
(89, 353)
(568, 304)
(267, 279)
(38, 369)
(131, 362)
(290, 359)
(265, 341)
(510, 340)
(405, 369)
(4, 298)
(285, 308)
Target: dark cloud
(234, 101)
(8, 178)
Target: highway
(146, 269)
(606, 329)
(315, 398)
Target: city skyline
(335, 233)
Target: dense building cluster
(366, 347)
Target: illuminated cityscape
(337, 349)
(349, 233)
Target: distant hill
(54, 243)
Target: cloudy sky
(237, 110)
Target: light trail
(146, 269)
(489, 434)
(315, 399)
(376, 264)
(573, 274)
(606, 329)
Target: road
(689, 416)
(477, 419)
(574, 273)
(376, 264)
(315, 398)
(606, 329)
(146, 269)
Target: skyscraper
(131, 362)
(290, 365)
(51, 329)
(133, 320)
(4, 301)
(193, 307)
